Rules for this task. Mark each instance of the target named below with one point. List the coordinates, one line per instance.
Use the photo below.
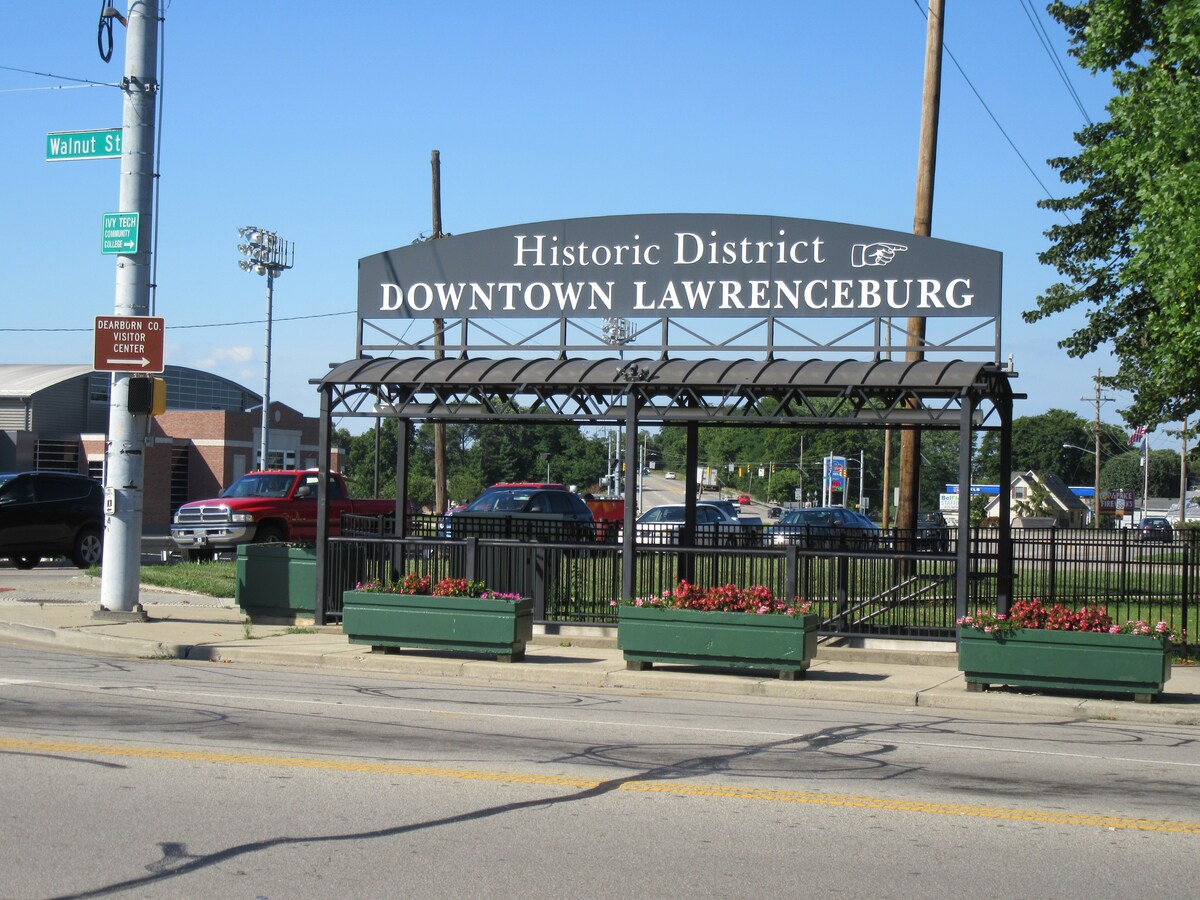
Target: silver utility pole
(617, 333)
(266, 254)
(124, 470)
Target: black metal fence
(896, 585)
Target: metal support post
(125, 466)
(264, 459)
(266, 254)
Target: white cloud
(224, 356)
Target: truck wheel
(270, 534)
(88, 548)
(199, 555)
(25, 562)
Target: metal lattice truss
(846, 393)
(763, 337)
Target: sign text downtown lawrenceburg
(681, 265)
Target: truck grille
(203, 515)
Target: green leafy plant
(415, 583)
(758, 600)
(1034, 614)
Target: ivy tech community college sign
(680, 265)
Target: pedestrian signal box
(147, 395)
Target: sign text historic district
(680, 265)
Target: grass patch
(216, 579)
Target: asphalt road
(162, 779)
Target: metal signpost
(124, 470)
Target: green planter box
(277, 583)
(648, 635)
(1135, 664)
(497, 627)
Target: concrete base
(137, 614)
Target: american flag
(1139, 434)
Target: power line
(183, 327)
(51, 87)
(992, 116)
(86, 81)
(1040, 29)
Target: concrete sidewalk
(200, 628)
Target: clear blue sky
(317, 120)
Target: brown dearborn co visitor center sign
(680, 265)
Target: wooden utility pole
(910, 438)
(1183, 479)
(1100, 398)
(887, 449)
(440, 500)
(1096, 461)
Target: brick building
(55, 417)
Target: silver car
(714, 526)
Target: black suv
(51, 514)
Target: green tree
(977, 507)
(939, 466)
(1055, 442)
(1038, 502)
(1126, 472)
(1131, 258)
(476, 456)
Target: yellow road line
(657, 787)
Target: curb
(108, 644)
(946, 693)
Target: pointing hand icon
(877, 254)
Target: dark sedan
(824, 526)
(524, 513)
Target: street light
(266, 254)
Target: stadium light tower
(266, 254)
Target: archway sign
(677, 268)
(539, 322)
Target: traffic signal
(147, 395)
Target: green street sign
(104, 143)
(120, 233)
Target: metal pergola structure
(848, 393)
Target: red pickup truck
(262, 507)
